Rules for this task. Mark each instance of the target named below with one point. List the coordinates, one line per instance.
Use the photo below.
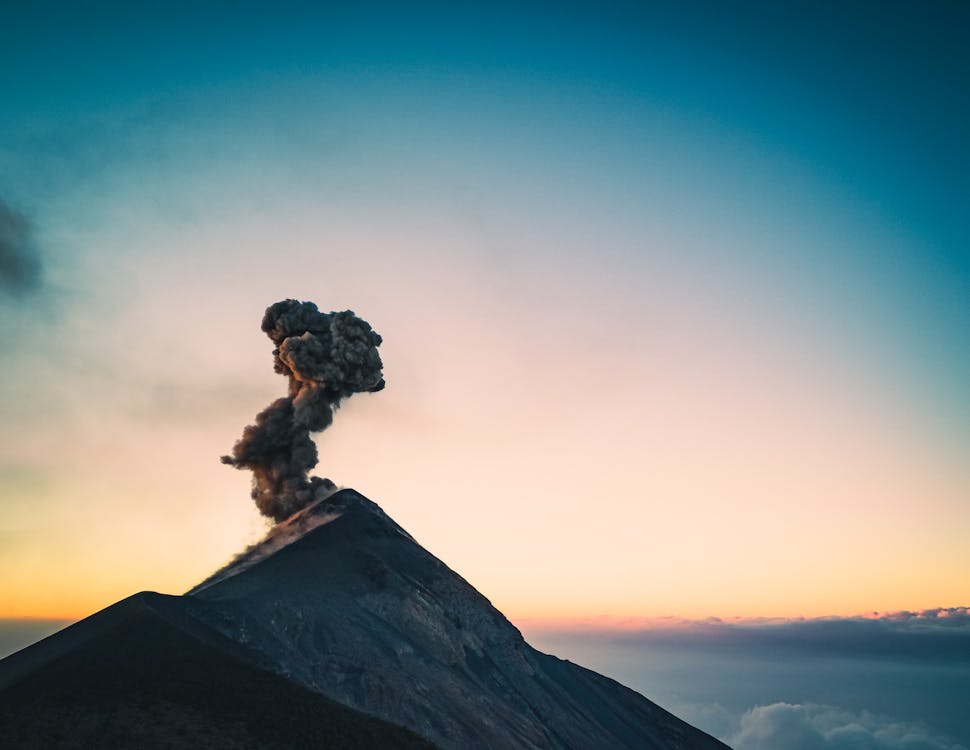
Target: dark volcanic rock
(144, 674)
(337, 630)
(356, 610)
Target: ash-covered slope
(145, 674)
(355, 609)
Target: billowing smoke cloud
(19, 264)
(327, 357)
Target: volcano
(338, 630)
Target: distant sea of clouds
(897, 681)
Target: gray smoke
(327, 357)
(19, 264)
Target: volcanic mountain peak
(144, 673)
(341, 603)
(355, 609)
(284, 533)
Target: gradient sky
(674, 296)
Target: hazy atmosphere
(674, 311)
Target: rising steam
(327, 357)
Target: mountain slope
(143, 673)
(355, 609)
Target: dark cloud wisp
(19, 263)
(327, 357)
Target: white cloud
(786, 726)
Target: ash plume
(327, 357)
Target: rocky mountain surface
(340, 603)
(145, 674)
(357, 610)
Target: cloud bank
(933, 635)
(798, 684)
(786, 726)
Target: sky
(673, 296)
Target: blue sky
(806, 113)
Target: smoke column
(327, 357)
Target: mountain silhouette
(341, 605)
(143, 674)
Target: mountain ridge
(341, 602)
(437, 656)
(144, 673)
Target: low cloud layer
(936, 635)
(19, 262)
(786, 726)
(773, 683)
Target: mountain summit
(342, 603)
